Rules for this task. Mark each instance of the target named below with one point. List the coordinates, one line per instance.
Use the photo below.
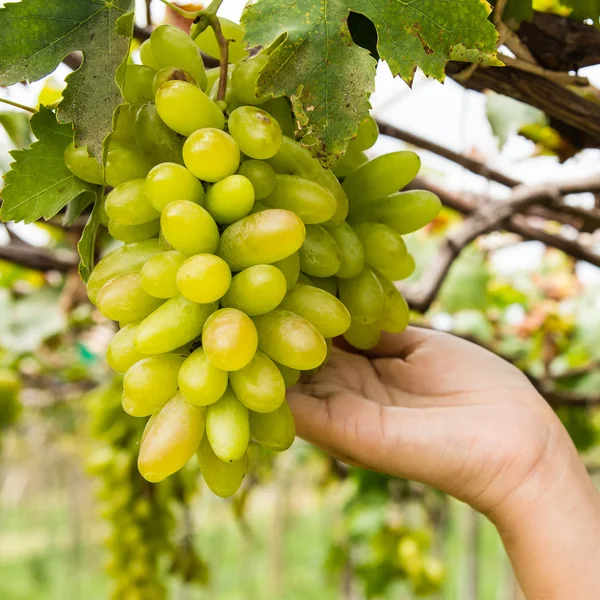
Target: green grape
(227, 427)
(257, 207)
(82, 165)
(290, 376)
(363, 337)
(262, 238)
(138, 83)
(123, 134)
(244, 77)
(395, 313)
(170, 439)
(200, 382)
(310, 201)
(123, 299)
(127, 258)
(169, 181)
(150, 382)
(185, 108)
(363, 296)
(367, 134)
(261, 176)
(328, 284)
(212, 76)
(159, 143)
(405, 211)
(319, 254)
(133, 233)
(401, 270)
(381, 176)
(349, 162)
(211, 154)
(290, 267)
(256, 132)
(170, 74)
(128, 204)
(281, 109)
(318, 307)
(172, 47)
(203, 278)
(256, 290)
(229, 339)
(294, 159)
(189, 228)
(174, 324)
(230, 199)
(121, 352)
(259, 386)
(159, 274)
(382, 245)
(291, 340)
(351, 250)
(125, 164)
(275, 430)
(233, 32)
(222, 478)
(147, 56)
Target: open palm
(434, 408)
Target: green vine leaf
(314, 61)
(39, 183)
(87, 244)
(36, 35)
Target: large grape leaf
(314, 61)
(39, 183)
(36, 35)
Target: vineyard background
(523, 281)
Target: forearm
(551, 531)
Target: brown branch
(36, 258)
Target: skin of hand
(434, 408)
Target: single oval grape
(150, 382)
(349, 162)
(200, 382)
(395, 313)
(351, 250)
(244, 77)
(319, 254)
(327, 284)
(123, 299)
(318, 307)
(159, 274)
(185, 108)
(172, 47)
(138, 83)
(121, 352)
(170, 74)
(211, 154)
(229, 339)
(147, 56)
(402, 270)
(367, 134)
(82, 165)
(227, 427)
(383, 246)
(125, 164)
(172, 325)
(127, 258)
(189, 228)
(261, 238)
(128, 204)
(291, 340)
(170, 439)
(261, 176)
(256, 290)
(281, 109)
(275, 430)
(234, 34)
(256, 132)
(204, 278)
(123, 135)
(169, 181)
(363, 296)
(230, 199)
(259, 385)
(157, 141)
(310, 201)
(133, 233)
(222, 478)
(290, 267)
(363, 337)
(290, 376)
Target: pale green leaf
(87, 244)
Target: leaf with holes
(314, 60)
(36, 35)
(39, 183)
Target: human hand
(431, 407)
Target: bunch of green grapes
(243, 257)
(141, 515)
